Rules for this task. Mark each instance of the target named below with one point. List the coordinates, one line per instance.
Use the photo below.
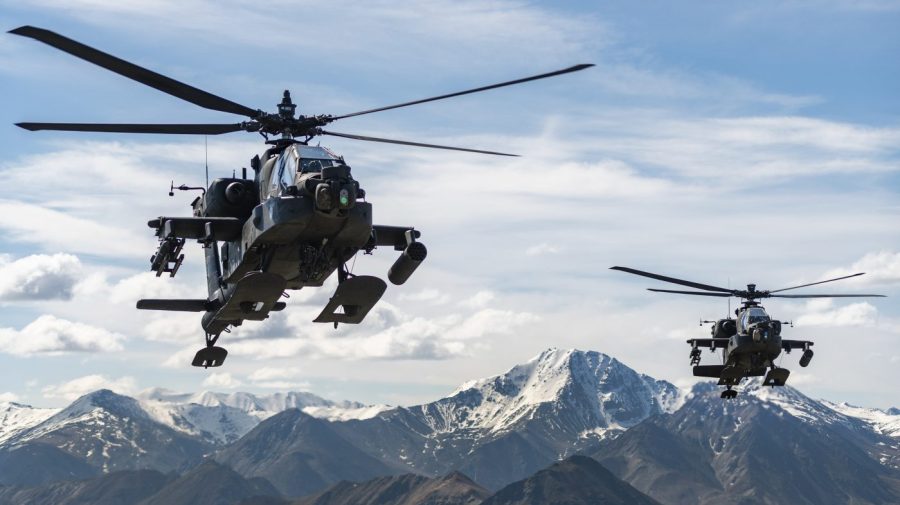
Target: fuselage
(754, 338)
(301, 221)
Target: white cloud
(174, 327)
(882, 267)
(270, 373)
(53, 229)
(479, 299)
(378, 29)
(278, 378)
(147, 285)
(50, 335)
(854, 314)
(101, 195)
(431, 295)
(759, 148)
(78, 387)
(9, 397)
(542, 249)
(803, 379)
(39, 277)
(221, 380)
(489, 322)
(416, 338)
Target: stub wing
(787, 345)
(711, 343)
(394, 236)
(205, 228)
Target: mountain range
(580, 426)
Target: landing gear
(211, 355)
(729, 394)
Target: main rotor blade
(197, 129)
(575, 68)
(701, 293)
(407, 143)
(820, 282)
(673, 280)
(825, 296)
(130, 70)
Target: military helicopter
(300, 218)
(751, 341)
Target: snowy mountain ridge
(216, 418)
(16, 417)
(225, 417)
(792, 402)
(886, 422)
(604, 394)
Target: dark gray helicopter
(752, 341)
(298, 220)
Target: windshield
(315, 158)
(307, 165)
(754, 315)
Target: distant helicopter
(299, 219)
(752, 341)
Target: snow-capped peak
(247, 402)
(103, 399)
(225, 417)
(785, 400)
(886, 422)
(537, 380)
(16, 418)
(595, 391)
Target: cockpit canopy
(753, 315)
(300, 159)
(315, 158)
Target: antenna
(206, 159)
(728, 315)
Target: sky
(727, 143)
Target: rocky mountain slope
(770, 446)
(679, 447)
(578, 480)
(300, 454)
(117, 488)
(104, 432)
(112, 432)
(496, 430)
(408, 489)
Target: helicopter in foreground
(300, 218)
(751, 341)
